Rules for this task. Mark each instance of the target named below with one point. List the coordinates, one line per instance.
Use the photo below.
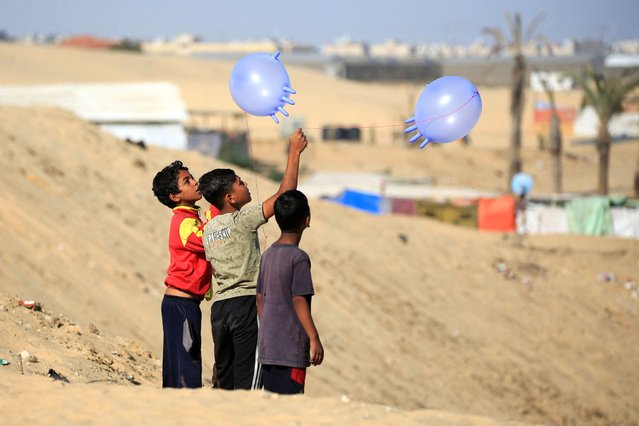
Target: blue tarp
(363, 201)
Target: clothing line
(380, 126)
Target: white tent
(625, 124)
(152, 112)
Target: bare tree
(514, 44)
(606, 95)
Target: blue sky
(318, 22)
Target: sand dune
(426, 324)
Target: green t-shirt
(231, 245)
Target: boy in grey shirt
(231, 244)
(288, 340)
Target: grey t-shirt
(285, 272)
(231, 245)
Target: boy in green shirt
(231, 244)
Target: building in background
(150, 113)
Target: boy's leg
(224, 351)
(284, 380)
(244, 329)
(182, 352)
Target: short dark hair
(214, 185)
(165, 183)
(291, 210)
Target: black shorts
(283, 380)
(182, 351)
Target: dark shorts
(283, 380)
(182, 352)
(234, 328)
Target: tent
(496, 214)
(151, 112)
(371, 203)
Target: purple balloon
(259, 84)
(446, 111)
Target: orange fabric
(497, 214)
(211, 212)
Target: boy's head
(222, 187)
(292, 212)
(174, 186)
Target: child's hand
(317, 352)
(297, 141)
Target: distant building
(554, 81)
(87, 42)
(290, 47)
(498, 71)
(622, 61)
(385, 70)
(590, 47)
(392, 49)
(346, 48)
(189, 45)
(629, 47)
(152, 113)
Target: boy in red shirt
(188, 278)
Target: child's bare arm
(303, 312)
(259, 305)
(297, 144)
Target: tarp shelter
(590, 216)
(403, 206)
(542, 219)
(543, 114)
(461, 215)
(594, 215)
(622, 125)
(151, 112)
(625, 222)
(371, 203)
(496, 214)
(332, 184)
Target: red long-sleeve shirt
(188, 270)
(211, 212)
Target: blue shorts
(182, 352)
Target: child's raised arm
(303, 312)
(297, 144)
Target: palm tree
(514, 44)
(554, 136)
(606, 95)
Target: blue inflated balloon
(521, 184)
(259, 84)
(446, 111)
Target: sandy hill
(429, 322)
(414, 314)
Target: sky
(318, 22)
